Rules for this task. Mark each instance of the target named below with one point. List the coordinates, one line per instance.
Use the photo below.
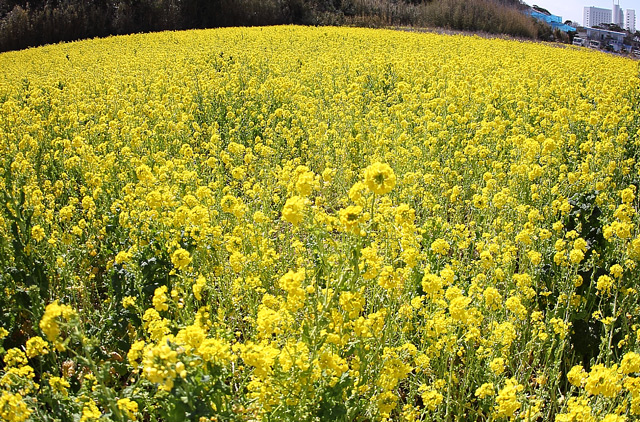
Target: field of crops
(318, 224)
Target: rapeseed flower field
(318, 224)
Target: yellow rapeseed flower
(379, 178)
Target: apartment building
(630, 20)
(595, 16)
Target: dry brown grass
(29, 26)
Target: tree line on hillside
(36, 22)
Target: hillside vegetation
(318, 224)
(36, 22)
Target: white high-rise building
(617, 17)
(595, 16)
(630, 20)
(621, 18)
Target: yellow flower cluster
(54, 315)
(13, 408)
(379, 178)
(319, 224)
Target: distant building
(553, 20)
(617, 17)
(594, 16)
(605, 38)
(630, 20)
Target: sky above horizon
(572, 9)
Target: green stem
(615, 306)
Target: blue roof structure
(553, 20)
